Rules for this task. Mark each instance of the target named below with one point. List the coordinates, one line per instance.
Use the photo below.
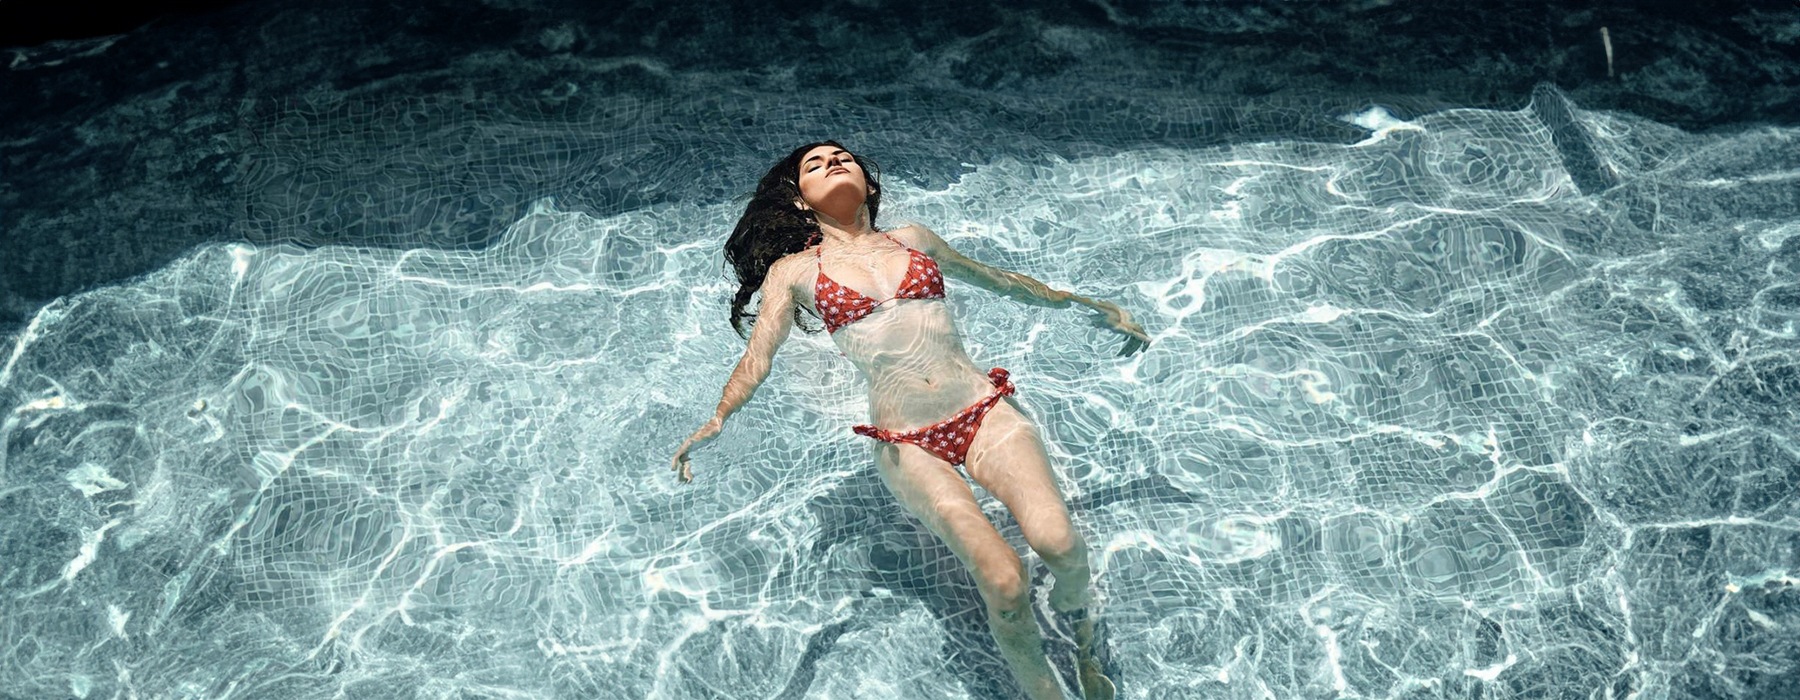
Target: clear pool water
(1474, 403)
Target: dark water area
(122, 150)
(343, 346)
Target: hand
(704, 435)
(1112, 317)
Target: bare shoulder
(789, 270)
(923, 238)
(911, 229)
(918, 236)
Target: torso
(908, 349)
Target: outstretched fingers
(1116, 319)
(680, 465)
(704, 435)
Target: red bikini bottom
(949, 439)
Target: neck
(846, 226)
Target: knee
(1063, 550)
(1007, 589)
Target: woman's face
(829, 175)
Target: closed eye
(815, 164)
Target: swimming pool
(1473, 402)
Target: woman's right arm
(774, 321)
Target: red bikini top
(841, 306)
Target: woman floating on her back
(807, 240)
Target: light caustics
(1423, 415)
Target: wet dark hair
(772, 227)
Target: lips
(835, 171)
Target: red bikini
(841, 306)
(949, 439)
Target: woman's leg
(1008, 459)
(934, 493)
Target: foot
(1094, 683)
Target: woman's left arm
(1024, 288)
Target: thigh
(1007, 457)
(939, 497)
